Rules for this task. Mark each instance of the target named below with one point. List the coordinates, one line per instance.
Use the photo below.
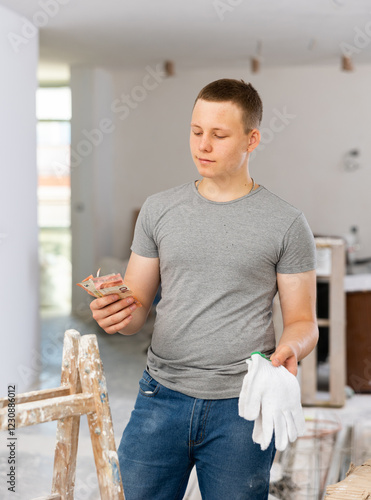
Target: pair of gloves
(270, 396)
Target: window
(53, 108)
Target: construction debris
(356, 486)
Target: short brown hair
(239, 92)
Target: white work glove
(270, 395)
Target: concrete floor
(124, 359)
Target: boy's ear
(254, 140)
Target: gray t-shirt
(218, 265)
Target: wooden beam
(65, 454)
(28, 397)
(38, 412)
(93, 381)
(308, 378)
(337, 333)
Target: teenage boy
(221, 246)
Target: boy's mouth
(205, 160)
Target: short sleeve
(143, 242)
(298, 252)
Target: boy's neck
(226, 189)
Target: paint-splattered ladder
(83, 391)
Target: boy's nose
(205, 144)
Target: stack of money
(100, 286)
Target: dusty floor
(123, 360)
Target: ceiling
(198, 33)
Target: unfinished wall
(19, 338)
(313, 116)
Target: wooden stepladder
(83, 390)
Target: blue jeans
(169, 433)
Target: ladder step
(27, 397)
(38, 412)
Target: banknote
(99, 286)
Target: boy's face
(219, 144)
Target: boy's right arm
(116, 315)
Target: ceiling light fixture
(346, 63)
(255, 65)
(169, 68)
(255, 60)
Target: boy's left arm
(297, 294)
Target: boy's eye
(217, 136)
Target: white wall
(326, 114)
(19, 336)
(92, 165)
